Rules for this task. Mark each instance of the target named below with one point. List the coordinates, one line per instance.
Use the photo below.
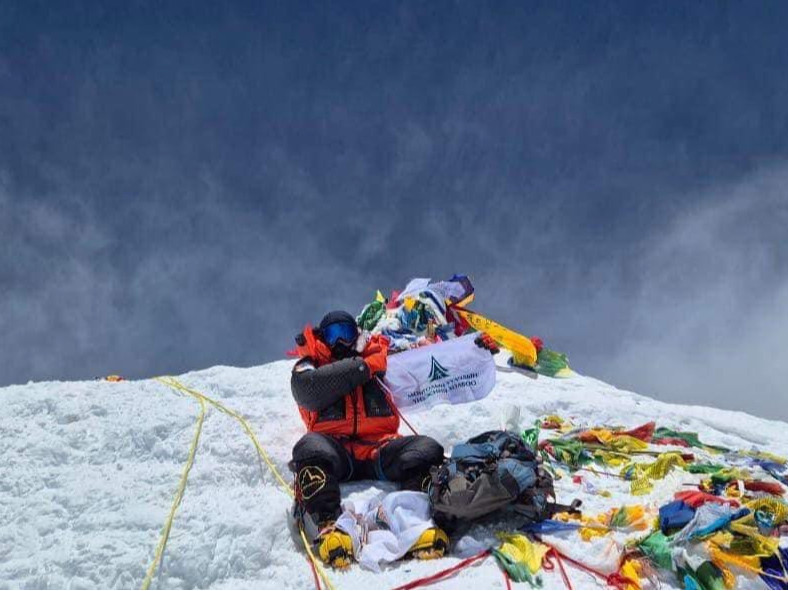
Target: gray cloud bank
(708, 324)
(182, 188)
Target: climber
(352, 434)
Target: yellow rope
(165, 532)
(315, 562)
(202, 398)
(173, 383)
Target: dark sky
(187, 184)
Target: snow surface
(89, 470)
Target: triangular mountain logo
(437, 371)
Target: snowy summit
(90, 470)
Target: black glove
(485, 341)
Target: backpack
(488, 473)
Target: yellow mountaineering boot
(431, 544)
(334, 547)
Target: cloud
(85, 295)
(708, 323)
(173, 201)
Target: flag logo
(437, 371)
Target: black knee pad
(316, 449)
(422, 453)
(309, 448)
(434, 451)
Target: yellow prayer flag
(522, 550)
(631, 570)
(523, 350)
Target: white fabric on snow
(384, 528)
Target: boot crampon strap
(432, 543)
(335, 547)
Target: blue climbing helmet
(339, 331)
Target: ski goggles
(340, 331)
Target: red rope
(406, 421)
(314, 573)
(564, 574)
(616, 580)
(600, 473)
(394, 406)
(445, 573)
(507, 581)
(548, 565)
(619, 581)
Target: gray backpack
(489, 473)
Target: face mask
(342, 351)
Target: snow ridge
(90, 470)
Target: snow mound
(89, 471)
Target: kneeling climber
(352, 424)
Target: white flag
(454, 371)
